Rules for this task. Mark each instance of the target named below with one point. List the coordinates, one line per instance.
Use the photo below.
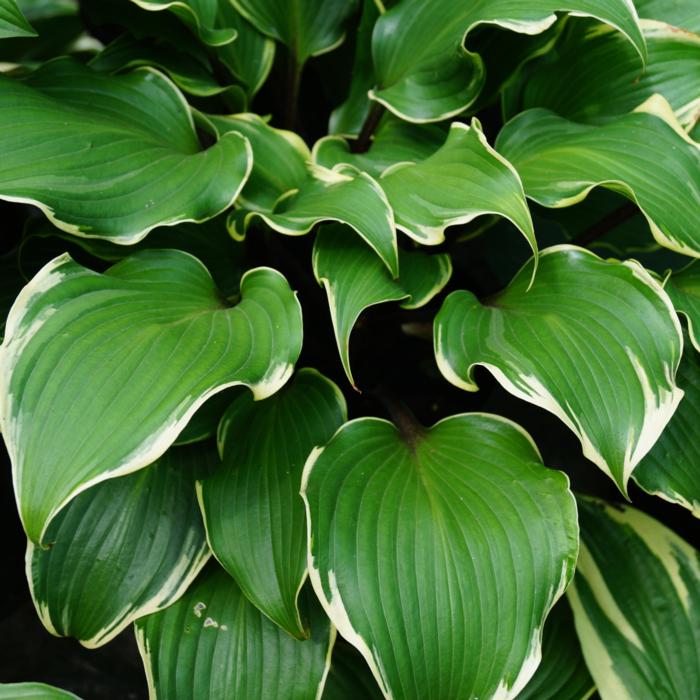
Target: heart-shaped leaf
(355, 279)
(464, 179)
(306, 27)
(459, 523)
(637, 586)
(563, 674)
(99, 373)
(223, 647)
(561, 161)
(670, 470)
(125, 548)
(111, 156)
(424, 73)
(254, 516)
(597, 343)
(12, 21)
(594, 76)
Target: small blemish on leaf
(198, 608)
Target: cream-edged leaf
(594, 342)
(560, 161)
(563, 674)
(679, 13)
(459, 523)
(636, 603)
(214, 643)
(111, 156)
(593, 75)
(99, 373)
(306, 27)
(464, 179)
(254, 516)
(671, 470)
(122, 549)
(683, 287)
(424, 73)
(355, 279)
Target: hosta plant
(350, 348)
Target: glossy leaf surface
(100, 372)
(254, 515)
(594, 342)
(460, 523)
(222, 647)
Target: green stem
(291, 110)
(364, 140)
(401, 415)
(607, 223)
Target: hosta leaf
(594, 75)
(250, 56)
(563, 674)
(349, 117)
(291, 198)
(306, 27)
(125, 548)
(458, 523)
(679, 13)
(395, 141)
(423, 72)
(355, 279)
(12, 21)
(672, 467)
(111, 156)
(349, 677)
(99, 373)
(594, 342)
(188, 73)
(636, 602)
(214, 643)
(33, 691)
(462, 180)
(561, 161)
(254, 516)
(684, 289)
(280, 159)
(202, 16)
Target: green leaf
(355, 279)
(462, 180)
(250, 56)
(563, 674)
(670, 470)
(683, 287)
(594, 342)
(636, 603)
(459, 523)
(349, 117)
(280, 159)
(33, 691)
(12, 21)
(349, 677)
(99, 373)
(254, 516)
(125, 548)
(423, 71)
(679, 13)
(202, 16)
(561, 161)
(213, 643)
(594, 75)
(395, 141)
(111, 156)
(306, 27)
(188, 73)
